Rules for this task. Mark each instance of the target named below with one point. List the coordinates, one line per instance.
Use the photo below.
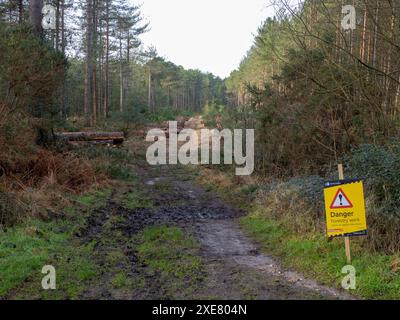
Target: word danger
(341, 214)
(193, 146)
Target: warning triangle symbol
(341, 201)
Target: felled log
(106, 137)
(93, 142)
(89, 136)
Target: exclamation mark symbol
(340, 199)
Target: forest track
(233, 267)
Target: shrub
(118, 171)
(286, 203)
(30, 69)
(380, 168)
(11, 208)
(298, 202)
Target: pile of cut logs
(184, 123)
(82, 138)
(196, 123)
(180, 125)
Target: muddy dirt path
(234, 267)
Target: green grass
(120, 280)
(171, 254)
(24, 250)
(94, 199)
(322, 260)
(136, 199)
(169, 250)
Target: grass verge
(26, 248)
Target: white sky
(210, 35)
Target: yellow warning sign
(345, 208)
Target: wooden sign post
(346, 239)
(345, 209)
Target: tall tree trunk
(35, 15)
(100, 63)
(149, 91)
(127, 73)
(20, 11)
(63, 109)
(375, 49)
(364, 33)
(94, 101)
(107, 53)
(388, 65)
(121, 77)
(89, 62)
(58, 14)
(94, 63)
(397, 99)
